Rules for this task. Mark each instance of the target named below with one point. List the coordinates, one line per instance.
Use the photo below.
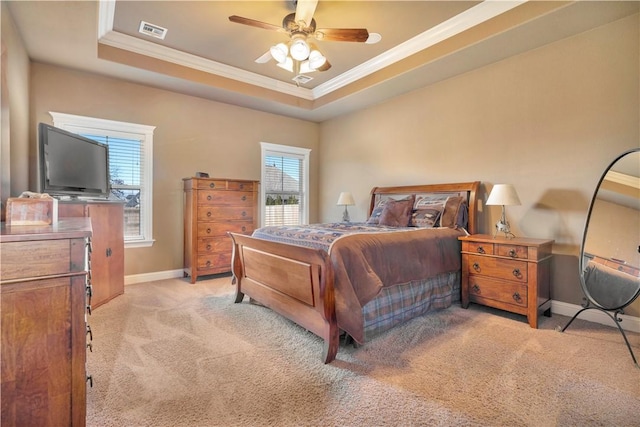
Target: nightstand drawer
(512, 251)
(499, 268)
(498, 290)
(478, 248)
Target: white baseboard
(149, 277)
(629, 323)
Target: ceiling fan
(300, 55)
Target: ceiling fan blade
(266, 57)
(254, 23)
(304, 11)
(342, 34)
(324, 66)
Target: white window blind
(284, 185)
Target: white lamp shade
(316, 60)
(299, 49)
(279, 52)
(287, 64)
(503, 194)
(346, 199)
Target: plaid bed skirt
(398, 304)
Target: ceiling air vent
(152, 30)
(301, 79)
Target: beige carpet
(169, 353)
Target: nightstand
(509, 274)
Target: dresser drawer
(211, 184)
(210, 229)
(231, 198)
(215, 244)
(481, 287)
(224, 213)
(498, 268)
(242, 186)
(41, 258)
(218, 261)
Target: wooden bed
(300, 282)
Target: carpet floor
(169, 353)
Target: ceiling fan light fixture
(316, 59)
(279, 52)
(287, 64)
(299, 48)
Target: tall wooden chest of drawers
(509, 274)
(213, 207)
(45, 292)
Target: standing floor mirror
(610, 253)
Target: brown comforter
(365, 263)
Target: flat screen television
(72, 165)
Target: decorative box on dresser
(45, 296)
(107, 222)
(511, 274)
(213, 207)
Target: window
(130, 168)
(285, 185)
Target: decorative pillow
(427, 211)
(377, 211)
(455, 213)
(397, 213)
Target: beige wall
(192, 134)
(14, 141)
(548, 121)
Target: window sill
(128, 244)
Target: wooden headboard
(470, 188)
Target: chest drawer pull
(517, 273)
(208, 263)
(244, 213)
(208, 231)
(209, 196)
(244, 198)
(512, 253)
(212, 185)
(476, 289)
(476, 266)
(209, 247)
(244, 228)
(517, 297)
(209, 214)
(480, 250)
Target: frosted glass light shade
(346, 199)
(279, 52)
(503, 194)
(316, 60)
(299, 49)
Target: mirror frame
(581, 264)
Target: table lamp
(345, 199)
(504, 195)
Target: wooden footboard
(295, 281)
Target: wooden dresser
(509, 274)
(213, 207)
(107, 222)
(44, 273)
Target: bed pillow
(397, 213)
(427, 211)
(455, 213)
(377, 211)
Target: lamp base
(345, 215)
(502, 226)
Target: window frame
(83, 124)
(267, 149)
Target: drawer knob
(476, 266)
(476, 289)
(212, 185)
(517, 297)
(244, 228)
(244, 213)
(208, 263)
(209, 197)
(517, 273)
(480, 250)
(244, 198)
(208, 247)
(208, 231)
(209, 213)
(512, 253)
